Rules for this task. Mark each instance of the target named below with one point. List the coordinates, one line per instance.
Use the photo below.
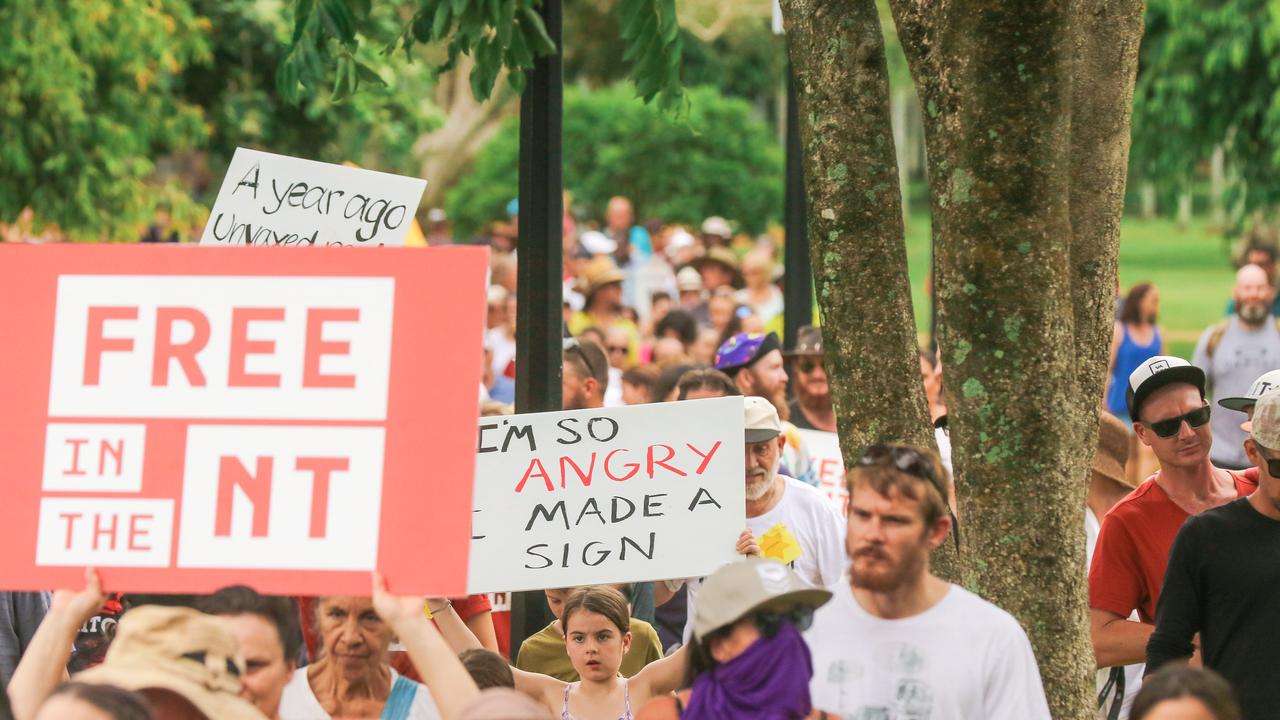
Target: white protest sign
(268, 199)
(584, 497)
(828, 465)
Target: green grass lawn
(1192, 268)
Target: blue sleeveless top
(1128, 357)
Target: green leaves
(651, 32)
(498, 34)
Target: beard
(759, 486)
(887, 575)
(1252, 313)
(778, 398)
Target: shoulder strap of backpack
(1215, 336)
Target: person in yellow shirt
(545, 651)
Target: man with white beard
(790, 521)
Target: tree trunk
(855, 222)
(446, 152)
(1026, 120)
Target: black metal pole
(798, 293)
(538, 290)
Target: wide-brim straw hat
(723, 257)
(177, 649)
(1113, 449)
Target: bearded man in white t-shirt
(896, 641)
(787, 520)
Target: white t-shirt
(298, 702)
(806, 514)
(1132, 673)
(962, 659)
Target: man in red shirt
(1165, 398)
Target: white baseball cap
(1153, 374)
(760, 420)
(597, 243)
(1265, 383)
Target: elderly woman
(353, 677)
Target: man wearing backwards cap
(896, 641)
(1223, 573)
(1264, 384)
(754, 361)
(1165, 398)
(791, 522)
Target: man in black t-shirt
(1223, 579)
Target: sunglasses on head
(911, 461)
(769, 622)
(1169, 427)
(572, 344)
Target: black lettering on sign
(533, 550)
(246, 182)
(548, 515)
(612, 430)
(563, 424)
(517, 432)
(698, 500)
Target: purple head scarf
(769, 681)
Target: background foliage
(714, 159)
(83, 114)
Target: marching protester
(1233, 352)
(1220, 584)
(586, 374)
(790, 521)
(544, 652)
(747, 658)
(1185, 693)
(1165, 398)
(597, 629)
(20, 614)
(353, 676)
(896, 640)
(1108, 485)
(811, 409)
(269, 637)
(754, 361)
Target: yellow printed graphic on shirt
(777, 543)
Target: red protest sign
(187, 418)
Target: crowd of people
(832, 611)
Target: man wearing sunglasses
(1165, 398)
(1223, 573)
(586, 374)
(896, 641)
(811, 409)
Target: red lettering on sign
(99, 531)
(75, 444)
(257, 487)
(136, 533)
(320, 469)
(541, 472)
(634, 467)
(95, 344)
(317, 347)
(653, 462)
(706, 457)
(242, 347)
(71, 523)
(584, 478)
(166, 350)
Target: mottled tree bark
(1027, 116)
(855, 222)
(1026, 119)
